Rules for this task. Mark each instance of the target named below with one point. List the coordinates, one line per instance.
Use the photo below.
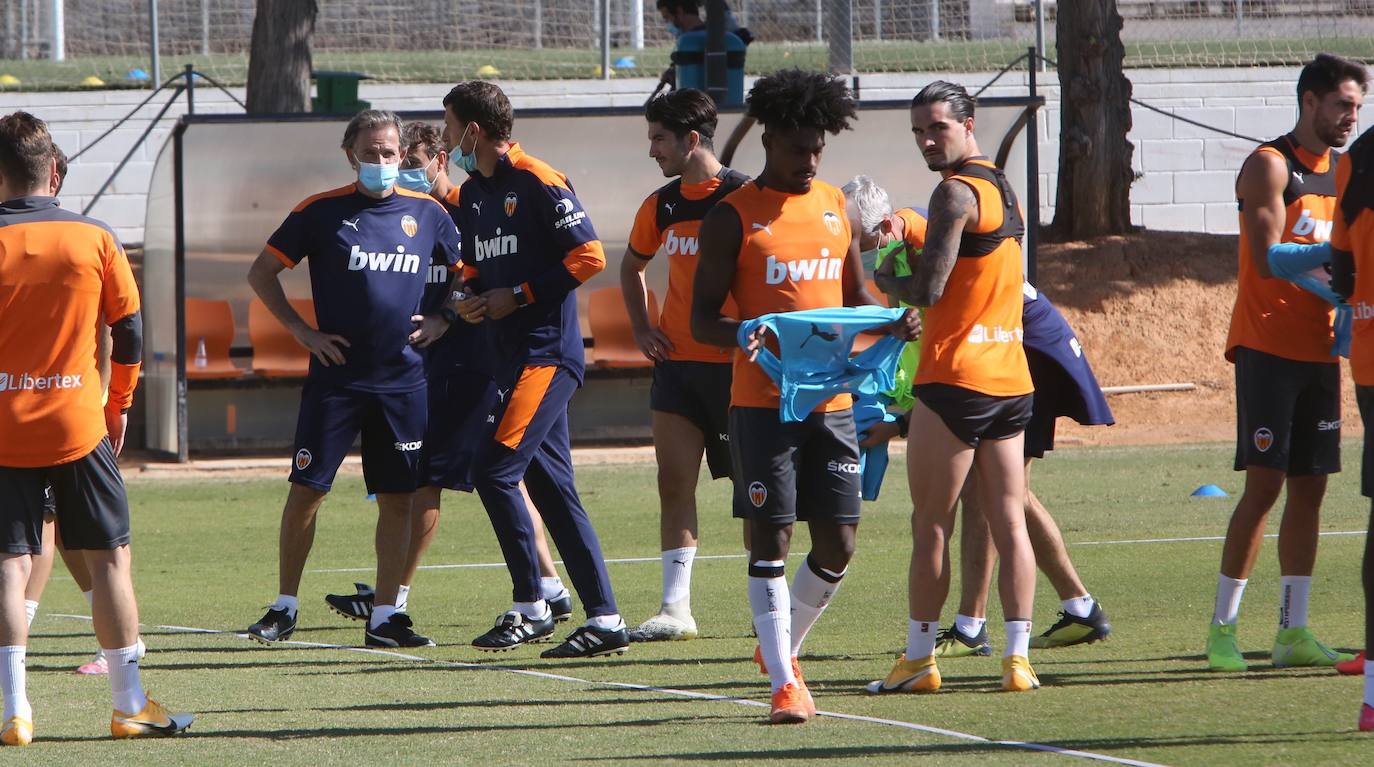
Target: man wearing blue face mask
(369, 245)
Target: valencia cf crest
(832, 222)
(757, 494)
(303, 456)
(409, 226)
(1264, 439)
(511, 201)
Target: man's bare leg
(678, 447)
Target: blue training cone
(373, 496)
(1209, 491)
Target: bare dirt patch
(1154, 308)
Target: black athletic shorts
(90, 492)
(699, 392)
(973, 416)
(1288, 414)
(784, 472)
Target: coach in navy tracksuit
(529, 246)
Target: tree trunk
(279, 61)
(1094, 194)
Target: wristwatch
(521, 298)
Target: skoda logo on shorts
(757, 494)
(303, 459)
(1264, 439)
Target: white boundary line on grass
(639, 560)
(667, 691)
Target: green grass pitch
(205, 558)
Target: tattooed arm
(953, 207)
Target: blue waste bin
(689, 59)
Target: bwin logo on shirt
(803, 269)
(680, 246)
(1316, 228)
(500, 245)
(438, 275)
(400, 261)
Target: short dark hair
(485, 104)
(683, 111)
(1326, 72)
(421, 134)
(961, 105)
(690, 6)
(61, 158)
(794, 98)
(25, 150)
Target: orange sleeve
(915, 234)
(644, 236)
(118, 290)
(585, 261)
(123, 381)
(1340, 232)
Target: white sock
(1368, 683)
(677, 574)
(402, 596)
(1293, 591)
(285, 602)
(969, 626)
(90, 597)
(125, 686)
(1079, 607)
(1229, 592)
(537, 609)
(12, 683)
(550, 588)
(1018, 639)
(381, 614)
(920, 638)
(811, 592)
(30, 610)
(606, 622)
(769, 601)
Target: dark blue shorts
(392, 425)
(699, 392)
(459, 402)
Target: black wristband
(903, 424)
(448, 314)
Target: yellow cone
(487, 70)
(8, 81)
(92, 82)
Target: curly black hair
(795, 98)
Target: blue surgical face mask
(416, 179)
(378, 177)
(465, 160)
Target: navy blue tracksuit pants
(530, 442)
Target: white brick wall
(1187, 181)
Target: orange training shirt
(680, 241)
(1273, 315)
(1357, 237)
(791, 257)
(972, 335)
(60, 274)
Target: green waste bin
(336, 93)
